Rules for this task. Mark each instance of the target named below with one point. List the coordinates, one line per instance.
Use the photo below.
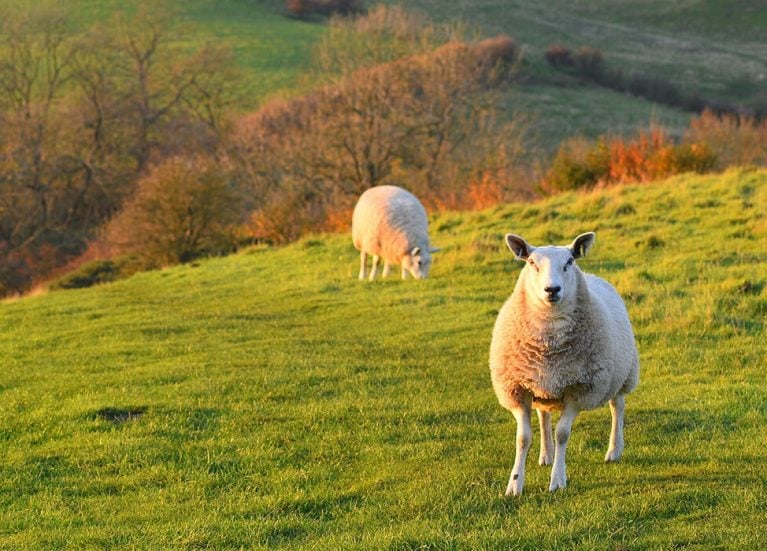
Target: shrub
(559, 55)
(498, 49)
(500, 56)
(183, 209)
(648, 156)
(304, 8)
(655, 89)
(578, 164)
(97, 272)
(652, 155)
(589, 61)
(734, 140)
(299, 8)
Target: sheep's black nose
(553, 290)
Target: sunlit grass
(271, 399)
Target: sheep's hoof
(613, 455)
(558, 481)
(516, 482)
(544, 460)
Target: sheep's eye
(419, 262)
(533, 265)
(568, 264)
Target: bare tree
(34, 68)
(82, 116)
(160, 86)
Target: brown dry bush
(559, 55)
(184, 208)
(428, 121)
(304, 8)
(735, 140)
(590, 61)
(649, 156)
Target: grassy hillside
(702, 47)
(699, 45)
(273, 51)
(271, 399)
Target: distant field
(702, 47)
(274, 51)
(714, 48)
(269, 399)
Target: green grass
(276, 401)
(272, 51)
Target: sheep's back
(618, 327)
(389, 221)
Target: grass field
(269, 399)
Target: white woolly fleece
(585, 353)
(389, 222)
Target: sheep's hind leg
(615, 449)
(374, 267)
(363, 265)
(524, 438)
(547, 443)
(386, 269)
(564, 426)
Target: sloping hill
(271, 399)
(707, 48)
(699, 46)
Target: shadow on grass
(120, 415)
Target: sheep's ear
(518, 246)
(434, 250)
(581, 244)
(416, 251)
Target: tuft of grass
(270, 399)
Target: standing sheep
(562, 341)
(390, 223)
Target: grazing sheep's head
(418, 262)
(550, 272)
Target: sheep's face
(550, 272)
(417, 263)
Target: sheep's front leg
(363, 265)
(615, 449)
(564, 425)
(374, 267)
(404, 273)
(386, 269)
(547, 444)
(524, 437)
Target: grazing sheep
(562, 341)
(390, 223)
